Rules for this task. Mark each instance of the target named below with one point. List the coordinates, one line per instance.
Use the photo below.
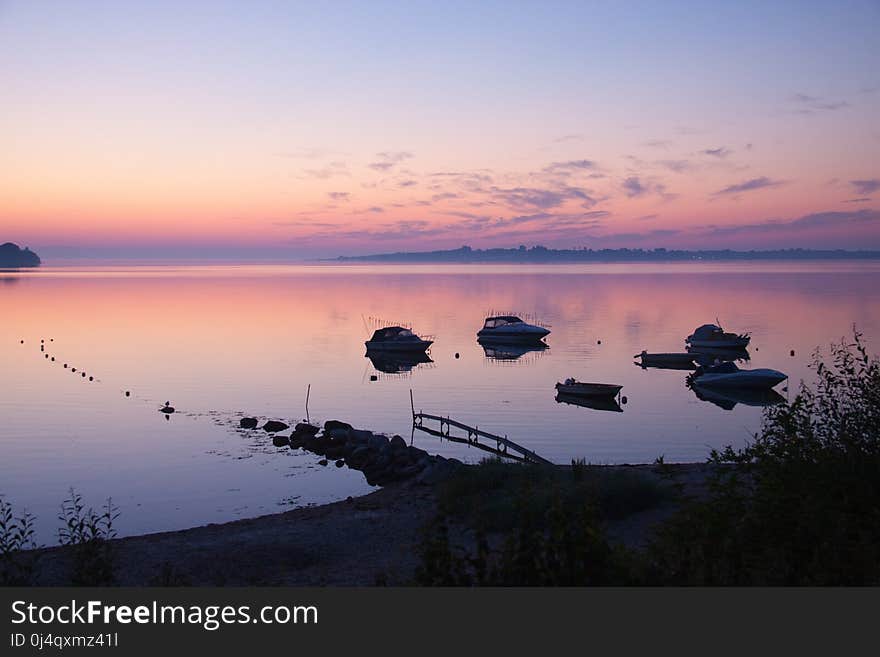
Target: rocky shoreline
(364, 541)
(381, 459)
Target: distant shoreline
(542, 255)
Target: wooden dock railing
(503, 445)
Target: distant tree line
(542, 254)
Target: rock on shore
(382, 460)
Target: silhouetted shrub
(16, 536)
(801, 504)
(88, 533)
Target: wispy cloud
(749, 185)
(678, 166)
(388, 159)
(814, 220)
(633, 187)
(808, 104)
(720, 152)
(569, 166)
(865, 187)
(331, 170)
(339, 196)
(518, 197)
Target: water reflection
(397, 363)
(58, 432)
(500, 351)
(728, 398)
(596, 403)
(708, 355)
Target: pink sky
(255, 133)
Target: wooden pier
(502, 446)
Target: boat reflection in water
(707, 355)
(727, 398)
(512, 351)
(666, 361)
(390, 362)
(596, 403)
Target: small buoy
(373, 377)
(65, 365)
(623, 399)
(91, 378)
(22, 341)
(53, 359)
(127, 393)
(51, 339)
(456, 354)
(46, 356)
(84, 375)
(792, 352)
(73, 369)
(42, 341)
(598, 342)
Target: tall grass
(16, 536)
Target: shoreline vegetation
(798, 505)
(13, 257)
(541, 254)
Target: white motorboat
(713, 336)
(396, 338)
(510, 328)
(730, 376)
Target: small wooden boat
(581, 389)
(671, 360)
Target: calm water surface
(219, 342)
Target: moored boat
(730, 376)
(712, 335)
(583, 389)
(396, 338)
(668, 360)
(510, 329)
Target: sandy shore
(360, 541)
